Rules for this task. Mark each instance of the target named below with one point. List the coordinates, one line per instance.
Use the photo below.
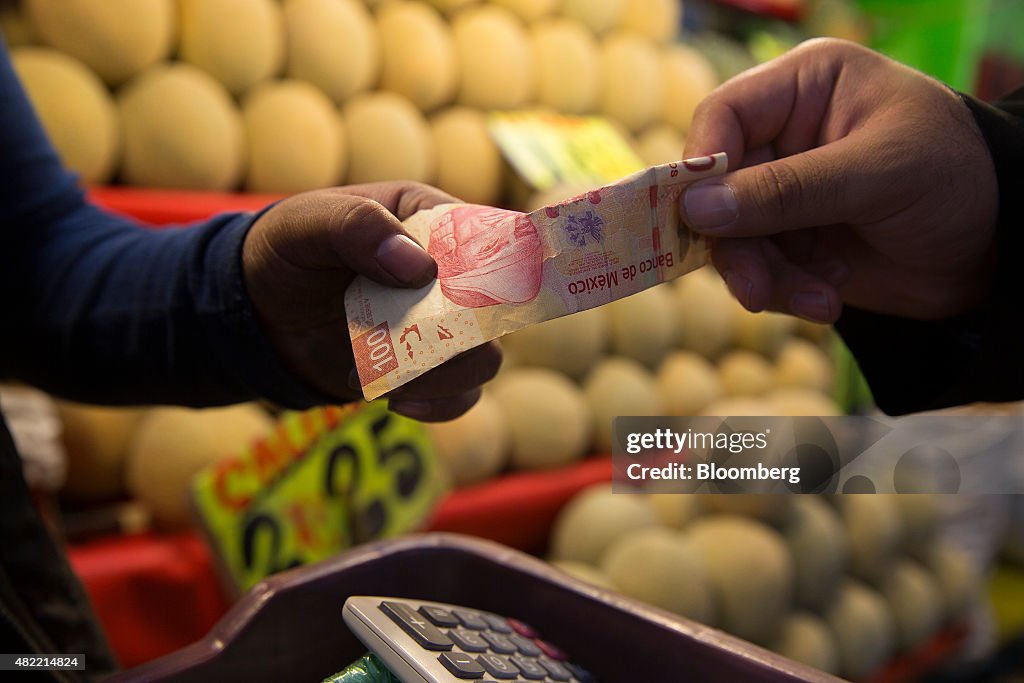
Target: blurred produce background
(281, 96)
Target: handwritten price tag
(325, 480)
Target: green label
(325, 480)
(547, 149)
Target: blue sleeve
(98, 308)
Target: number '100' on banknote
(499, 271)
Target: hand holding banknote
(856, 180)
(499, 271)
(300, 257)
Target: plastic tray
(289, 628)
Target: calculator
(433, 642)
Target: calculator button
(556, 671)
(551, 651)
(498, 666)
(461, 665)
(438, 616)
(470, 619)
(496, 623)
(580, 673)
(522, 629)
(525, 645)
(530, 669)
(470, 641)
(499, 643)
(413, 623)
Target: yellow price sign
(548, 149)
(323, 481)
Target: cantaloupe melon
(632, 91)
(451, 6)
(77, 112)
(496, 69)
(171, 445)
(95, 439)
(585, 572)
(332, 44)
(704, 311)
(864, 629)
(388, 139)
(817, 540)
(15, 26)
(572, 344)
(619, 387)
(796, 401)
(643, 326)
(923, 515)
(915, 599)
(660, 144)
(180, 130)
(763, 333)
(550, 424)
(675, 510)
(687, 383)
(959, 577)
(417, 54)
(739, 406)
(751, 570)
(568, 60)
(238, 42)
(115, 38)
(658, 20)
(687, 78)
(806, 638)
(767, 507)
(469, 164)
(745, 373)
(594, 519)
(661, 567)
(294, 138)
(529, 10)
(803, 364)
(475, 446)
(600, 16)
(875, 530)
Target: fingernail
(710, 206)
(741, 288)
(404, 260)
(417, 410)
(811, 305)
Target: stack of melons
(790, 582)
(150, 455)
(279, 96)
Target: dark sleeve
(100, 309)
(913, 365)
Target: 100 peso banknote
(499, 271)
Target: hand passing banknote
(499, 271)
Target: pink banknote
(499, 271)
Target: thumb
(332, 231)
(805, 190)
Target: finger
(463, 373)
(784, 100)
(436, 410)
(848, 181)
(761, 278)
(341, 234)
(401, 198)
